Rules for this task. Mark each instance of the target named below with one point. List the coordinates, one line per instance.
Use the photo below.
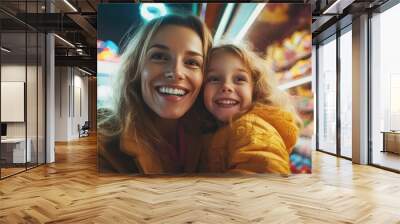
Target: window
(385, 86)
(22, 68)
(327, 96)
(346, 93)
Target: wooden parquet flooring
(71, 191)
(10, 171)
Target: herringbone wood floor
(71, 191)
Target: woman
(160, 77)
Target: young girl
(257, 126)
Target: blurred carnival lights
(150, 11)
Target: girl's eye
(212, 79)
(159, 56)
(241, 78)
(193, 63)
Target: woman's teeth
(172, 91)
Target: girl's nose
(227, 88)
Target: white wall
(33, 127)
(61, 103)
(16, 73)
(71, 94)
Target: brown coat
(126, 154)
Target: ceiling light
(84, 71)
(224, 21)
(253, 16)
(338, 6)
(296, 82)
(64, 40)
(70, 5)
(203, 11)
(150, 11)
(5, 50)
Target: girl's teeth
(228, 102)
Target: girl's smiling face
(172, 73)
(228, 88)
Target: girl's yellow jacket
(260, 141)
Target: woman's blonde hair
(129, 109)
(265, 89)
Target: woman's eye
(158, 56)
(193, 63)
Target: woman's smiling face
(172, 73)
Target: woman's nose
(176, 71)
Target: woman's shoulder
(110, 156)
(112, 159)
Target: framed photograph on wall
(193, 88)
